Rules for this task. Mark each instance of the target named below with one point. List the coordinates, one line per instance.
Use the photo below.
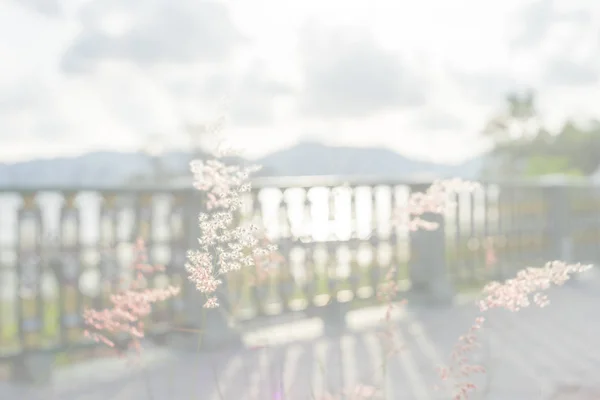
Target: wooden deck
(529, 355)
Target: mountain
(305, 159)
(97, 168)
(311, 158)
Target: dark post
(428, 271)
(558, 228)
(333, 314)
(214, 325)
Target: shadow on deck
(529, 355)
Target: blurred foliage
(522, 146)
(549, 165)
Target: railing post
(333, 316)
(558, 228)
(212, 324)
(428, 270)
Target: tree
(518, 121)
(523, 147)
(513, 132)
(580, 145)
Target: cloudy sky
(420, 77)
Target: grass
(9, 331)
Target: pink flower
(511, 295)
(224, 247)
(211, 302)
(460, 371)
(514, 294)
(129, 307)
(436, 200)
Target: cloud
(536, 21)
(486, 87)
(59, 113)
(252, 96)
(159, 32)
(439, 120)
(51, 8)
(565, 39)
(533, 24)
(566, 72)
(21, 96)
(108, 72)
(27, 109)
(32, 112)
(346, 74)
(247, 96)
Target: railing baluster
(459, 241)
(158, 256)
(176, 266)
(354, 244)
(487, 243)
(473, 241)
(512, 223)
(110, 271)
(374, 242)
(310, 285)
(396, 261)
(5, 296)
(259, 288)
(331, 268)
(33, 365)
(285, 280)
(503, 235)
(145, 223)
(70, 309)
(30, 318)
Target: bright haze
(418, 77)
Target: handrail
(297, 182)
